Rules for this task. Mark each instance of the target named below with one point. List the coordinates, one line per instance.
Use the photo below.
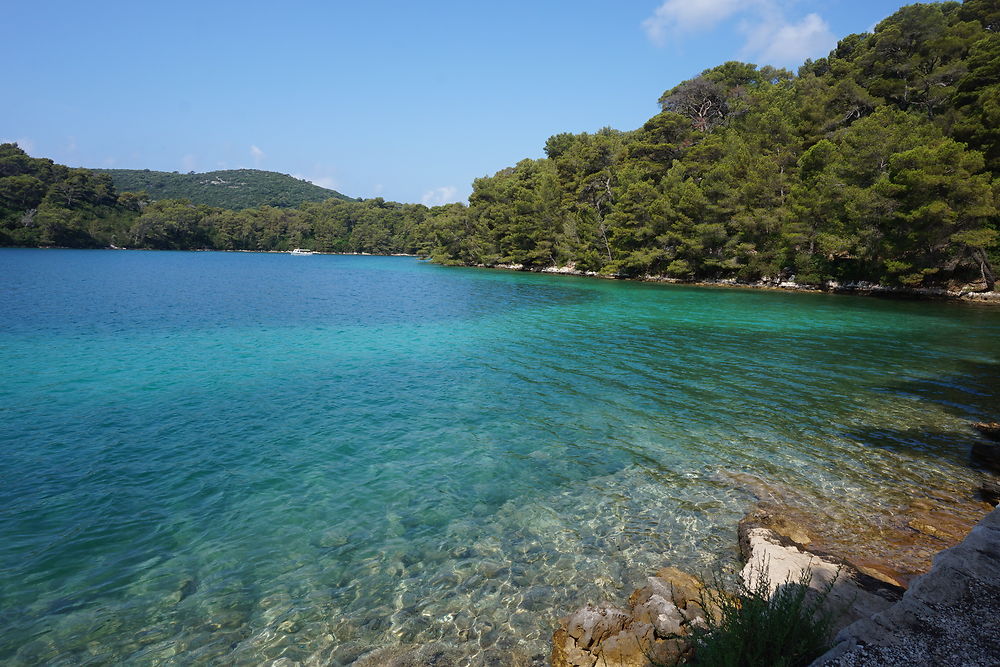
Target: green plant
(785, 626)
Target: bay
(238, 457)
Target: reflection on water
(241, 458)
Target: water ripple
(239, 458)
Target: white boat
(301, 251)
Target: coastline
(860, 288)
(880, 613)
(870, 613)
(829, 287)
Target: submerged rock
(989, 429)
(990, 491)
(987, 455)
(893, 543)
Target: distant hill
(233, 189)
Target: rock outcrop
(851, 595)
(651, 632)
(894, 544)
(947, 617)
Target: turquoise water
(213, 457)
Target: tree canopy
(876, 163)
(233, 188)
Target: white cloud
(189, 162)
(792, 43)
(688, 15)
(438, 196)
(258, 155)
(770, 38)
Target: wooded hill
(876, 163)
(46, 204)
(233, 189)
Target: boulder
(990, 429)
(650, 632)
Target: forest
(876, 163)
(228, 188)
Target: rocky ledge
(946, 617)
(653, 628)
(770, 550)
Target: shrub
(786, 627)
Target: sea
(243, 458)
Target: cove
(242, 457)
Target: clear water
(233, 458)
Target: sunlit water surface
(234, 458)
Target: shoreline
(830, 287)
(860, 288)
(868, 613)
(877, 617)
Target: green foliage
(233, 189)
(875, 164)
(757, 627)
(45, 204)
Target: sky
(409, 101)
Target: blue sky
(405, 100)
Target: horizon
(431, 99)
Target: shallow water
(240, 457)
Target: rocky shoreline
(947, 617)
(976, 293)
(884, 613)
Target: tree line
(46, 204)
(876, 163)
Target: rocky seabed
(946, 616)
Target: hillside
(47, 204)
(233, 189)
(877, 163)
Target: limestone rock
(651, 632)
(852, 595)
(945, 618)
(590, 625)
(684, 587)
(989, 429)
(931, 529)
